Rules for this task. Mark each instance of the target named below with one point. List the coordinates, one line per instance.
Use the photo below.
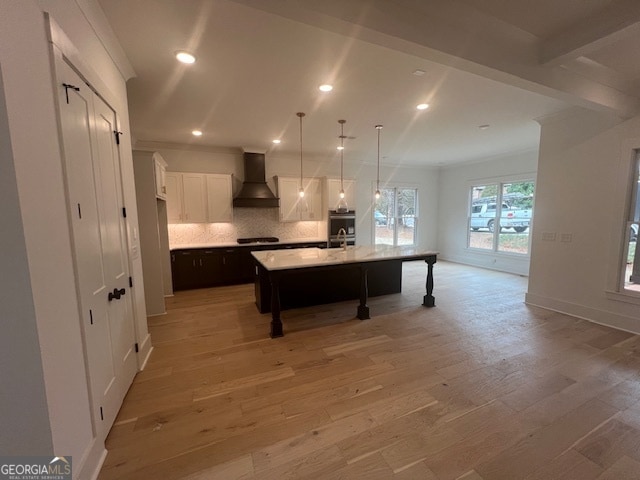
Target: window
(500, 216)
(395, 216)
(630, 267)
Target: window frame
(631, 217)
(394, 219)
(614, 288)
(499, 183)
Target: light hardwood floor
(482, 387)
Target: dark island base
(324, 285)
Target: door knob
(116, 294)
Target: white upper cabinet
(194, 196)
(173, 183)
(198, 198)
(219, 198)
(332, 196)
(160, 167)
(313, 194)
(295, 209)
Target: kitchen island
(313, 276)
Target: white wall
(31, 112)
(51, 303)
(426, 179)
(22, 397)
(453, 230)
(582, 185)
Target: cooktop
(259, 240)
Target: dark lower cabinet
(232, 266)
(317, 286)
(195, 269)
(211, 267)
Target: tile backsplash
(247, 222)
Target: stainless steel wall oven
(337, 221)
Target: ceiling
(502, 63)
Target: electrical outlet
(549, 236)
(566, 237)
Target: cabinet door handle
(224, 260)
(200, 262)
(194, 262)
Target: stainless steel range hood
(255, 192)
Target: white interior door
(94, 185)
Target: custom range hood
(255, 192)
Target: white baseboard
(505, 265)
(144, 351)
(92, 462)
(602, 317)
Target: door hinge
(117, 134)
(101, 414)
(137, 350)
(91, 316)
(79, 211)
(124, 212)
(68, 86)
(130, 282)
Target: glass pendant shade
(342, 206)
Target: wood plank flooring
(481, 387)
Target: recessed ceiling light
(483, 127)
(340, 147)
(422, 106)
(185, 57)
(196, 133)
(325, 88)
(276, 141)
(419, 73)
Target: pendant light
(342, 203)
(302, 203)
(378, 127)
(301, 191)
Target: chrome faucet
(344, 236)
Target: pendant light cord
(342, 122)
(378, 127)
(300, 115)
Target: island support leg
(363, 309)
(276, 322)
(429, 300)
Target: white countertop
(315, 257)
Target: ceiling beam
(452, 34)
(603, 28)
